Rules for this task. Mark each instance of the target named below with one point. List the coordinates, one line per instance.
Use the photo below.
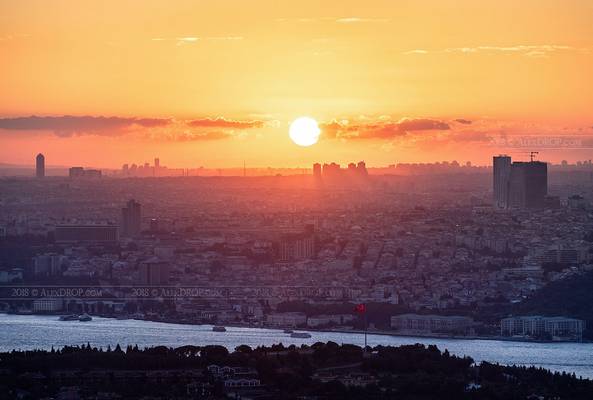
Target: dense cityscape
(452, 255)
(462, 254)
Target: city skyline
(205, 87)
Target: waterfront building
(432, 323)
(538, 327)
(47, 305)
(287, 319)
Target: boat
(300, 335)
(218, 328)
(70, 317)
(85, 318)
(289, 331)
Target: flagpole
(365, 330)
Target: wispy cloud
(194, 39)
(355, 20)
(215, 38)
(535, 51)
(339, 20)
(416, 51)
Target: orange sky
(213, 83)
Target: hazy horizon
(105, 84)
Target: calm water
(33, 332)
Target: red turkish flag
(360, 308)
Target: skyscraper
(528, 184)
(519, 184)
(502, 173)
(40, 165)
(317, 170)
(131, 218)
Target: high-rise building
(528, 184)
(40, 165)
(361, 168)
(519, 184)
(502, 173)
(157, 163)
(153, 272)
(76, 172)
(317, 170)
(86, 233)
(297, 246)
(80, 172)
(131, 218)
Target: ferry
(85, 318)
(218, 328)
(289, 331)
(300, 335)
(71, 317)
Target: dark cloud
(463, 121)
(69, 125)
(224, 123)
(381, 130)
(422, 124)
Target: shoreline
(347, 331)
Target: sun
(304, 131)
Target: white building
(288, 319)
(535, 326)
(432, 323)
(47, 305)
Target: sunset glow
(217, 83)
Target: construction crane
(531, 154)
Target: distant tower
(317, 170)
(40, 166)
(362, 168)
(501, 180)
(157, 163)
(131, 216)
